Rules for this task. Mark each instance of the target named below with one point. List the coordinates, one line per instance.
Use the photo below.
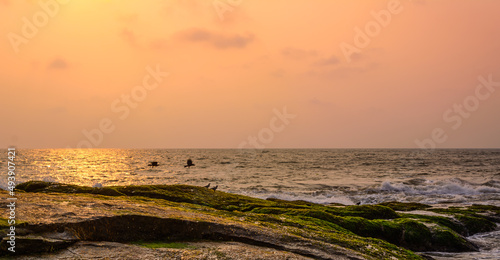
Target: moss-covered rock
(4, 223)
(401, 206)
(365, 211)
(485, 208)
(474, 219)
(448, 222)
(445, 239)
(33, 186)
(476, 224)
(40, 186)
(360, 228)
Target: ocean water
(347, 176)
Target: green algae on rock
(399, 206)
(137, 213)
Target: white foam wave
(3, 184)
(49, 179)
(450, 187)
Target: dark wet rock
(476, 224)
(35, 244)
(473, 219)
(446, 240)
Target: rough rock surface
(72, 218)
(199, 250)
(68, 222)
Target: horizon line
(270, 148)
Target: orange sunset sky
(70, 67)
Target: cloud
(333, 60)
(298, 54)
(217, 40)
(158, 44)
(129, 36)
(318, 103)
(358, 57)
(368, 54)
(279, 73)
(58, 63)
(315, 101)
(343, 71)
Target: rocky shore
(60, 221)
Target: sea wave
(449, 187)
(320, 199)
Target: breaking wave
(449, 187)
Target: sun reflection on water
(81, 166)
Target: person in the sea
(189, 163)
